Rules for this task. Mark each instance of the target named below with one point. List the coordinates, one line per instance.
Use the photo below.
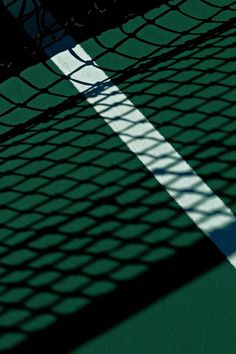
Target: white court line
(205, 209)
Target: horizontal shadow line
(130, 297)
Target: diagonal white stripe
(206, 210)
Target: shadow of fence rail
(88, 237)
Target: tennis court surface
(117, 177)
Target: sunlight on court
(117, 160)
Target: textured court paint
(191, 321)
(32, 98)
(188, 97)
(198, 319)
(107, 221)
(99, 159)
(205, 209)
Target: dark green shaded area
(88, 237)
(186, 90)
(83, 224)
(34, 95)
(200, 318)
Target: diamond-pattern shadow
(88, 237)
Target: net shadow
(85, 228)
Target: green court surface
(96, 256)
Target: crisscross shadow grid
(88, 237)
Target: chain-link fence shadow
(88, 237)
